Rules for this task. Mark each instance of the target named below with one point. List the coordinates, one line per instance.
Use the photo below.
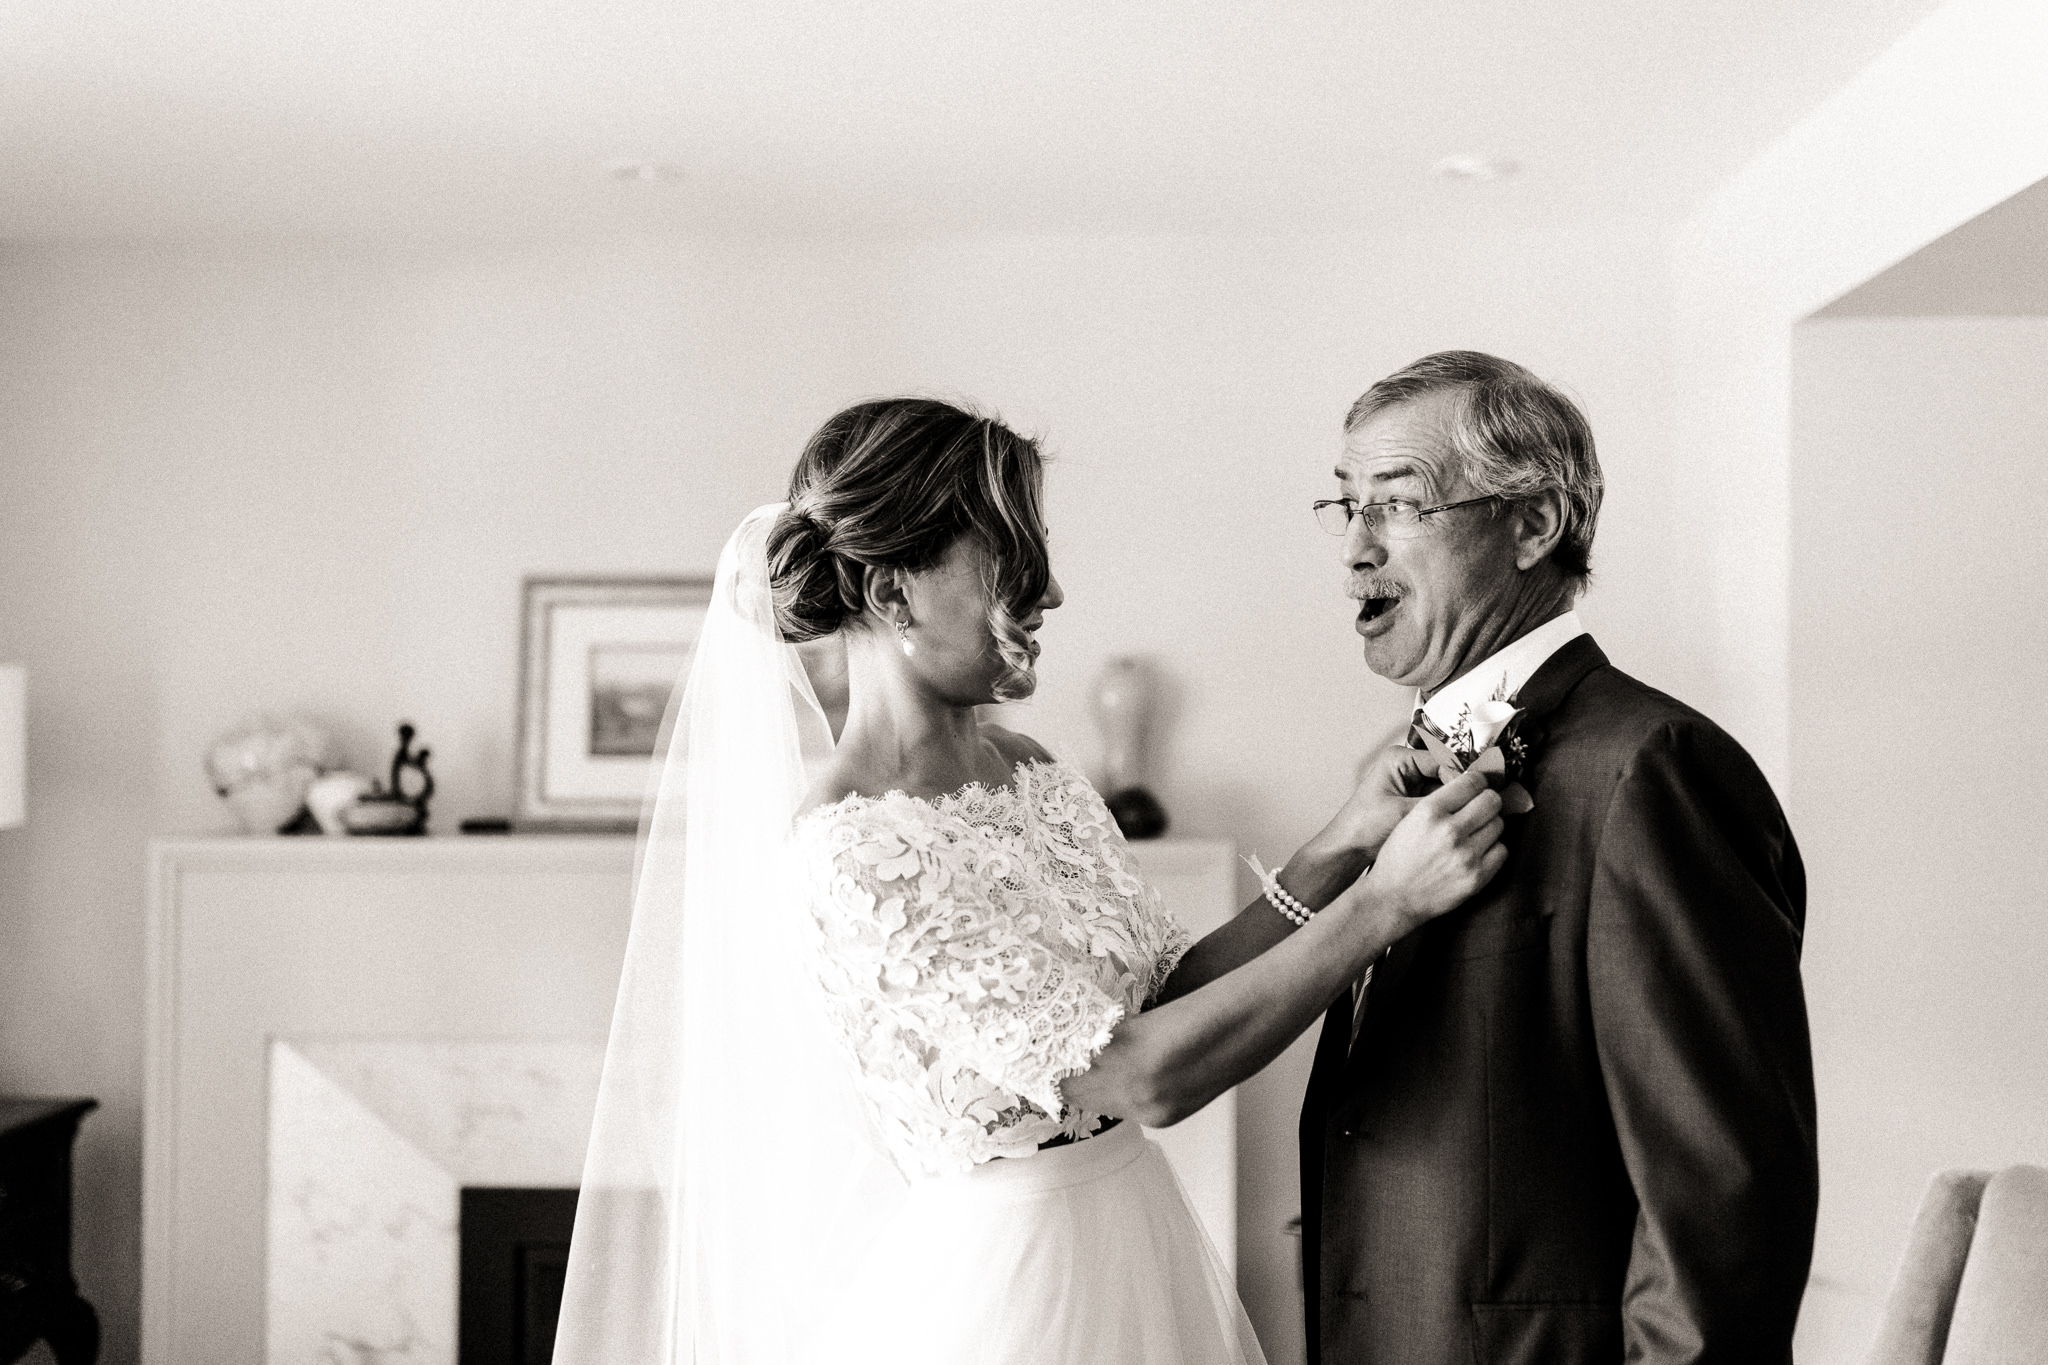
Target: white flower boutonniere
(1485, 741)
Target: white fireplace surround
(344, 1033)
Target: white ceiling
(386, 119)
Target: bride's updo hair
(892, 484)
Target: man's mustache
(1365, 589)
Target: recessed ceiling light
(626, 169)
(1475, 168)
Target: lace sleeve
(938, 979)
(1097, 869)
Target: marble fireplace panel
(370, 1144)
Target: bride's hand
(1390, 784)
(1442, 852)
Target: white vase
(332, 794)
(1122, 701)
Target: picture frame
(599, 658)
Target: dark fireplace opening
(515, 1250)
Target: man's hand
(1390, 782)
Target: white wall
(235, 480)
(1911, 1045)
(1948, 122)
(1919, 647)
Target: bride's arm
(1164, 1064)
(1319, 870)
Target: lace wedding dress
(830, 1127)
(974, 951)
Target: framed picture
(598, 660)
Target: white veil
(732, 1177)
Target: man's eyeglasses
(1395, 514)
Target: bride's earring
(903, 638)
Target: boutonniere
(1485, 740)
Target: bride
(898, 998)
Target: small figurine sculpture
(1122, 700)
(401, 809)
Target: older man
(1572, 1121)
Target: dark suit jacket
(1578, 1123)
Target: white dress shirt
(1509, 668)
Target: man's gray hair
(1514, 435)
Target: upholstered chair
(1972, 1287)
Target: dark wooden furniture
(39, 1300)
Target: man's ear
(886, 593)
(1539, 525)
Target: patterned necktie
(1420, 724)
(1417, 724)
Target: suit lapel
(1545, 691)
(1549, 685)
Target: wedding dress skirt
(1087, 1254)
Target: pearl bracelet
(1276, 895)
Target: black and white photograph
(1317, 682)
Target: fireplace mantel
(478, 940)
